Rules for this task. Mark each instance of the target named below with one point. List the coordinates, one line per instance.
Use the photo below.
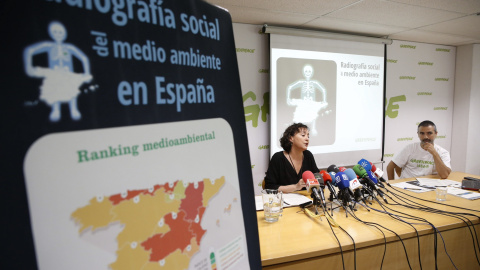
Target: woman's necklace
(294, 164)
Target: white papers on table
(429, 182)
(411, 187)
(426, 184)
(462, 193)
(289, 199)
(294, 199)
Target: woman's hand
(300, 184)
(293, 187)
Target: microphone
(355, 186)
(374, 178)
(368, 178)
(378, 173)
(368, 167)
(342, 169)
(352, 177)
(332, 176)
(343, 184)
(342, 180)
(312, 186)
(365, 164)
(333, 168)
(362, 173)
(327, 179)
(319, 178)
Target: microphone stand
(345, 200)
(316, 202)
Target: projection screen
(336, 88)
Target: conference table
(298, 241)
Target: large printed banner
(123, 137)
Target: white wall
(420, 85)
(253, 64)
(466, 121)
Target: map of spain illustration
(161, 224)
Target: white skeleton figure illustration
(60, 83)
(307, 106)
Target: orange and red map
(161, 225)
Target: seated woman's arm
(291, 188)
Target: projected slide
(306, 95)
(338, 95)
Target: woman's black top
(281, 172)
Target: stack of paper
(289, 199)
(427, 184)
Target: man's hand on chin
(428, 147)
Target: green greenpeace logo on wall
(245, 50)
(405, 46)
(264, 147)
(392, 108)
(424, 93)
(404, 139)
(392, 61)
(442, 50)
(264, 70)
(440, 108)
(388, 155)
(359, 140)
(441, 79)
(425, 63)
(252, 112)
(407, 78)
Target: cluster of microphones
(362, 184)
(355, 185)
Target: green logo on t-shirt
(422, 163)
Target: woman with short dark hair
(286, 167)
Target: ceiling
(446, 22)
